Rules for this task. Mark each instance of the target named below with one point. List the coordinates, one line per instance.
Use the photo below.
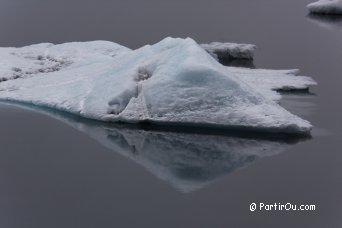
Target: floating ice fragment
(326, 7)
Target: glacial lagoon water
(61, 171)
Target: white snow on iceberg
(45, 58)
(269, 82)
(326, 7)
(172, 82)
(230, 50)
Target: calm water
(66, 172)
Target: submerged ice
(326, 7)
(172, 82)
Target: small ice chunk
(230, 50)
(326, 7)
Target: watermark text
(281, 207)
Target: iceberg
(174, 82)
(326, 7)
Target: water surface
(67, 173)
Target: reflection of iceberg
(187, 161)
(326, 21)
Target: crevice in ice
(143, 74)
(118, 104)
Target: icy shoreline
(174, 82)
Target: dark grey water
(69, 173)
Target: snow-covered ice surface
(187, 161)
(269, 82)
(326, 7)
(174, 82)
(230, 50)
(43, 58)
